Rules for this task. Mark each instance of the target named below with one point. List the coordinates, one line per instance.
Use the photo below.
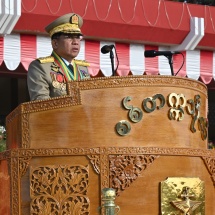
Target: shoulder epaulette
(81, 62)
(48, 59)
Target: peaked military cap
(69, 23)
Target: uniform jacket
(46, 79)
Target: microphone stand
(112, 62)
(170, 58)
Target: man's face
(67, 46)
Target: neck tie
(71, 68)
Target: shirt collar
(66, 62)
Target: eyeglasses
(72, 37)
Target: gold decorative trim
(81, 62)
(66, 28)
(48, 59)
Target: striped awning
(19, 49)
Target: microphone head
(106, 49)
(149, 53)
(154, 53)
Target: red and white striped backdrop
(16, 49)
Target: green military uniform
(46, 77)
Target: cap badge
(74, 19)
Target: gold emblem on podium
(182, 196)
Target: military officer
(47, 76)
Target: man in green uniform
(47, 76)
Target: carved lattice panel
(124, 169)
(59, 190)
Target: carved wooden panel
(59, 190)
(124, 169)
(111, 164)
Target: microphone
(106, 48)
(153, 53)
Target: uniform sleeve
(38, 81)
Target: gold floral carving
(138, 80)
(124, 169)
(59, 190)
(210, 163)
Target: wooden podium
(144, 136)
